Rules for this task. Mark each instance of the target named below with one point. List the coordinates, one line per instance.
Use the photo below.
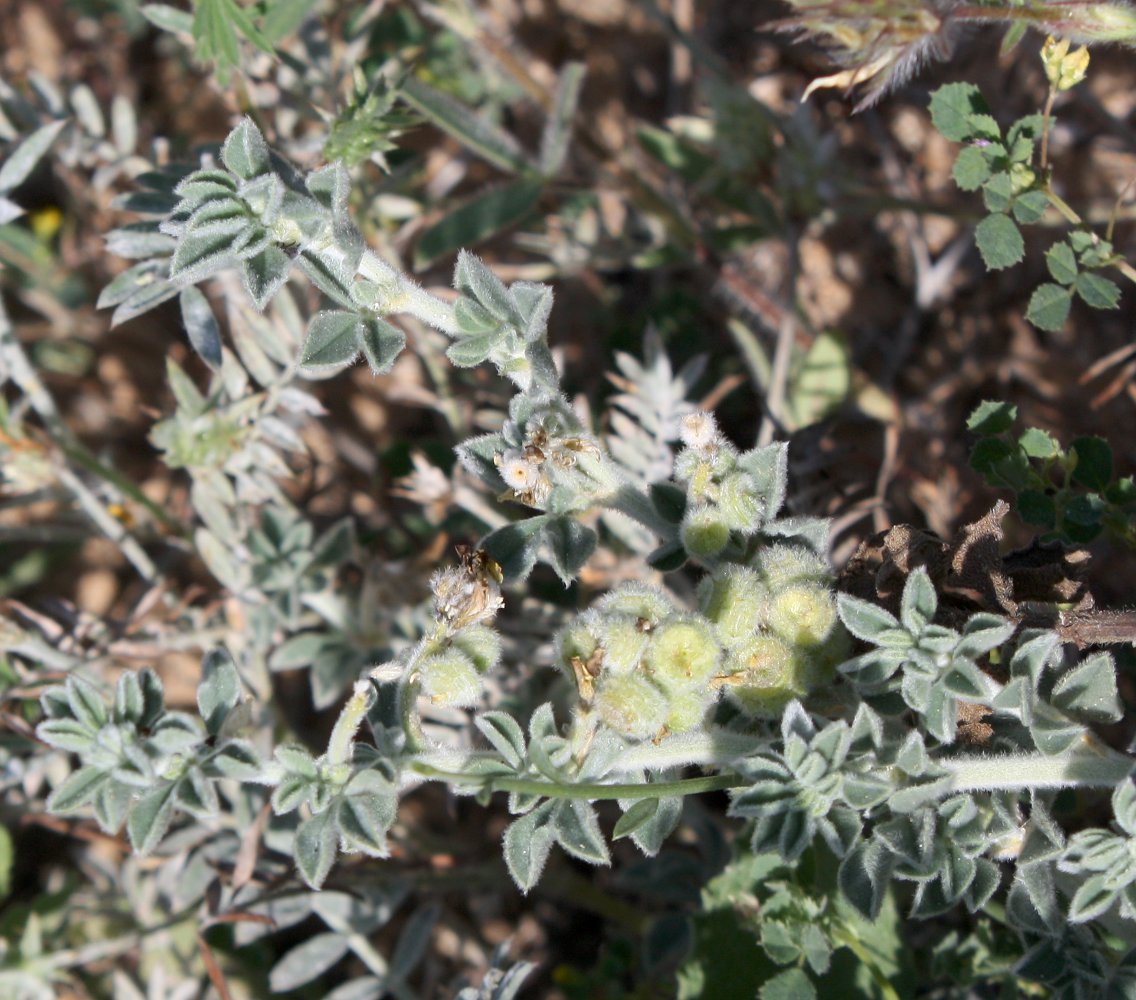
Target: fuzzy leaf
(150, 817)
(309, 959)
(569, 545)
(201, 326)
(506, 735)
(381, 342)
(865, 620)
(77, 790)
(527, 843)
(219, 690)
(332, 340)
(314, 847)
(23, 159)
(1088, 691)
(971, 169)
(245, 152)
(578, 832)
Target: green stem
(589, 791)
(1083, 767)
(347, 725)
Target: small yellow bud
(740, 506)
(481, 644)
(784, 565)
(640, 601)
(623, 640)
(688, 709)
(762, 676)
(1064, 69)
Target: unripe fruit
(783, 565)
(638, 600)
(450, 679)
(481, 644)
(703, 531)
(735, 599)
(631, 705)
(682, 654)
(688, 709)
(763, 676)
(623, 640)
(802, 615)
(739, 504)
(576, 642)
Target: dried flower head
(699, 430)
(470, 593)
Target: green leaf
(201, 326)
(1062, 263)
(1037, 508)
(150, 817)
(306, 961)
(219, 690)
(1037, 443)
(1094, 896)
(477, 219)
(381, 342)
(953, 108)
(919, 602)
(865, 620)
(1030, 206)
(578, 832)
(470, 128)
(1097, 291)
(1094, 462)
(365, 817)
(168, 18)
(1049, 307)
(971, 169)
(643, 811)
(558, 128)
(202, 254)
(998, 193)
(527, 844)
(1088, 691)
(264, 273)
(823, 380)
(570, 544)
(314, 847)
(328, 274)
(332, 340)
(22, 160)
(792, 984)
(999, 241)
(515, 546)
(684, 159)
(77, 790)
(992, 417)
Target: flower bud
(735, 599)
(802, 615)
(703, 531)
(450, 679)
(683, 653)
(481, 644)
(740, 505)
(631, 705)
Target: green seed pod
(639, 600)
(763, 676)
(631, 705)
(576, 641)
(623, 639)
(784, 565)
(703, 531)
(739, 504)
(803, 615)
(451, 679)
(735, 599)
(688, 709)
(481, 644)
(682, 654)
